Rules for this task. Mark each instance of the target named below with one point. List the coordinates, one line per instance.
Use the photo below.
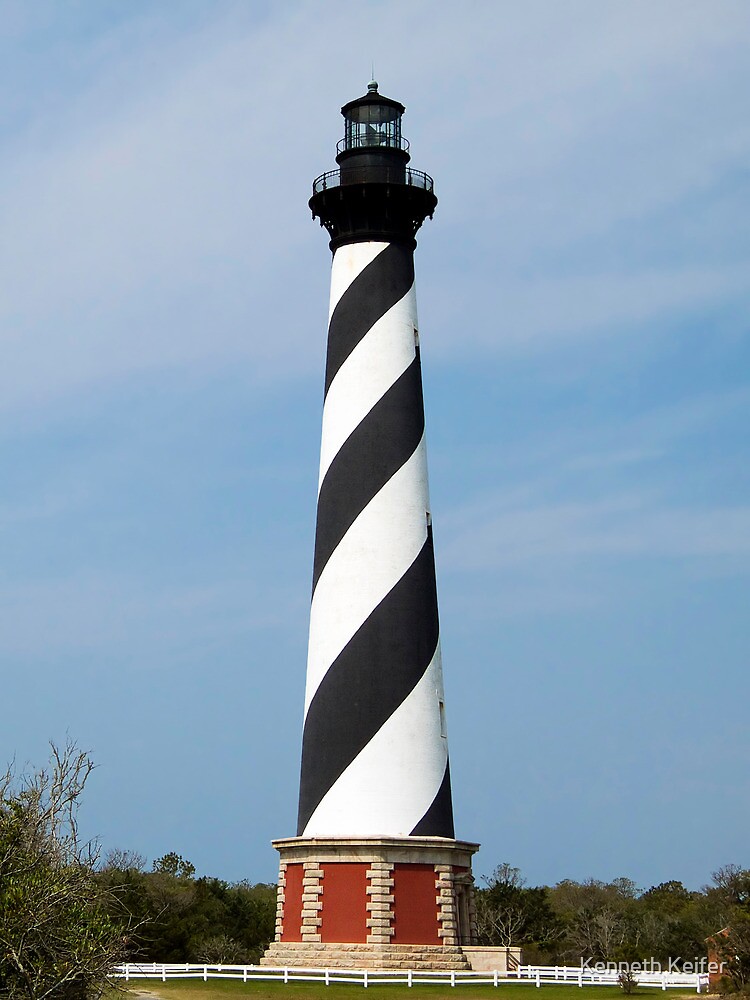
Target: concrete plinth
(383, 903)
(487, 958)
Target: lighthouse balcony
(372, 174)
(369, 137)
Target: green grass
(226, 989)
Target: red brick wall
(415, 909)
(293, 904)
(344, 913)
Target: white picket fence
(536, 974)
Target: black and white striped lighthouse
(375, 865)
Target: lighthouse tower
(375, 876)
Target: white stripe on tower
(371, 368)
(344, 596)
(374, 755)
(392, 782)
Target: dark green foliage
(63, 924)
(174, 864)
(600, 918)
(60, 932)
(731, 892)
(184, 919)
(508, 912)
(667, 898)
(628, 981)
(617, 922)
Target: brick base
(402, 902)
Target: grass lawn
(224, 989)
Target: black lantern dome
(372, 121)
(373, 195)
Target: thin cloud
(628, 527)
(153, 215)
(123, 620)
(542, 311)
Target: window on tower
(373, 125)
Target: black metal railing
(377, 140)
(377, 175)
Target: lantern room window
(372, 124)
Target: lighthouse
(375, 876)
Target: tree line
(176, 917)
(615, 921)
(67, 915)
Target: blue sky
(584, 297)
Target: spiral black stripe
(377, 669)
(438, 820)
(372, 293)
(372, 453)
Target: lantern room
(372, 128)
(372, 121)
